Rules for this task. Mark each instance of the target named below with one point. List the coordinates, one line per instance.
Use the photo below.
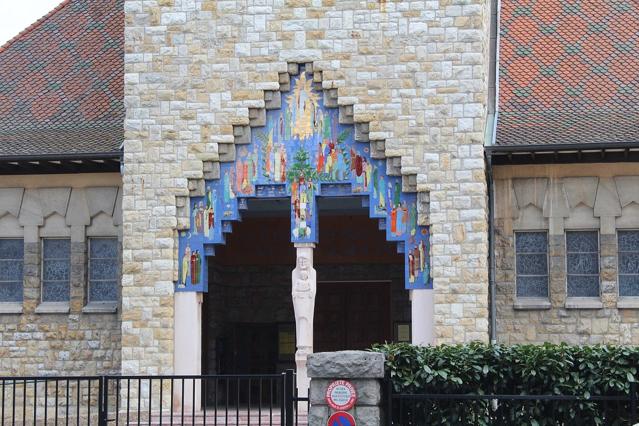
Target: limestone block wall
(59, 340)
(601, 197)
(199, 74)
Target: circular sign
(341, 395)
(341, 419)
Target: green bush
(547, 369)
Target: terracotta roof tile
(61, 82)
(568, 72)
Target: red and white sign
(341, 395)
(341, 419)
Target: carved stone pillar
(303, 292)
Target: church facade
(228, 186)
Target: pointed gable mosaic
(302, 153)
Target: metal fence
(269, 400)
(476, 409)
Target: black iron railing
(476, 409)
(269, 400)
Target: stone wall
(57, 339)
(560, 198)
(200, 73)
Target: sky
(16, 15)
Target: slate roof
(568, 72)
(61, 82)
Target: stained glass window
(11, 263)
(56, 265)
(628, 248)
(582, 263)
(531, 250)
(103, 269)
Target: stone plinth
(365, 370)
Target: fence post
(633, 403)
(103, 398)
(389, 399)
(289, 391)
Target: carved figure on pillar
(303, 292)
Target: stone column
(304, 281)
(422, 317)
(365, 370)
(187, 359)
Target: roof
(568, 72)
(61, 82)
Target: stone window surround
(625, 302)
(79, 213)
(573, 302)
(549, 197)
(50, 306)
(532, 302)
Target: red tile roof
(568, 72)
(61, 82)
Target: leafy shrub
(481, 369)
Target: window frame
(619, 251)
(42, 301)
(21, 281)
(547, 253)
(118, 271)
(566, 232)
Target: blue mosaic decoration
(302, 153)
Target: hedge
(547, 369)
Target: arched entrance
(306, 156)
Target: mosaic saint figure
(186, 260)
(382, 195)
(413, 219)
(268, 160)
(229, 194)
(196, 265)
(282, 163)
(277, 163)
(302, 103)
(194, 214)
(320, 158)
(302, 198)
(281, 126)
(209, 216)
(411, 268)
(253, 166)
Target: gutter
(560, 147)
(61, 157)
(491, 128)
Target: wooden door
(351, 315)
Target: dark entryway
(352, 315)
(249, 324)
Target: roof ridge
(33, 26)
